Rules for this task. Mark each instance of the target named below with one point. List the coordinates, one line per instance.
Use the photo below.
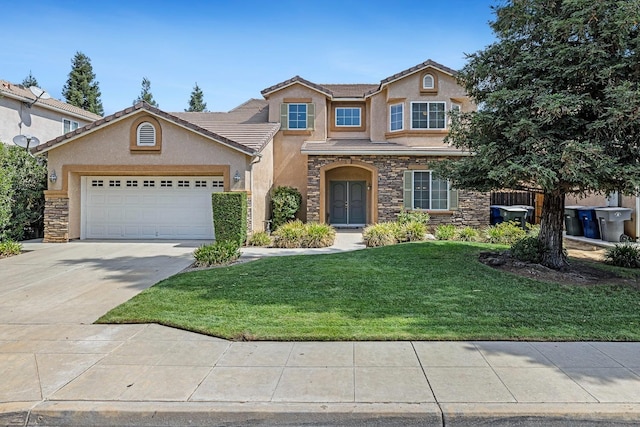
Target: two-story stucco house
(22, 114)
(358, 153)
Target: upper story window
(69, 125)
(297, 116)
(428, 82)
(146, 135)
(428, 115)
(396, 117)
(348, 117)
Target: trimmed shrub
(259, 238)
(445, 232)
(381, 234)
(9, 248)
(466, 234)
(217, 253)
(529, 249)
(285, 203)
(289, 235)
(414, 231)
(318, 235)
(230, 216)
(505, 233)
(405, 217)
(623, 255)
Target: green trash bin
(572, 222)
(514, 213)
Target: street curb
(169, 414)
(540, 414)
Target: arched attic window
(146, 135)
(428, 82)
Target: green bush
(505, 233)
(529, 249)
(217, 253)
(466, 234)
(381, 234)
(414, 231)
(318, 235)
(445, 232)
(623, 255)
(230, 216)
(9, 247)
(285, 203)
(289, 235)
(405, 217)
(533, 230)
(259, 238)
(23, 180)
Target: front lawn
(413, 291)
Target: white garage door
(148, 207)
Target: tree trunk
(551, 225)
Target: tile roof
(172, 117)
(357, 90)
(24, 94)
(247, 124)
(366, 146)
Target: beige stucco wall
(262, 177)
(16, 119)
(108, 150)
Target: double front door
(348, 203)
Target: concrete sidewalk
(56, 370)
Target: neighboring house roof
(22, 93)
(334, 146)
(247, 124)
(356, 90)
(91, 127)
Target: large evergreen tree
(196, 102)
(145, 94)
(81, 88)
(30, 81)
(559, 106)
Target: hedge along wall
(230, 216)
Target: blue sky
(234, 49)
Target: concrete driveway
(79, 281)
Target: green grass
(414, 291)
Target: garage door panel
(176, 209)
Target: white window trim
(433, 82)
(155, 135)
(71, 125)
(401, 105)
(429, 102)
(348, 108)
(448, 208)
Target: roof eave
(47, 106)
(373, 152)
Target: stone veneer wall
(56, 219)
(473, 207)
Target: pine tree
(196, 103)
(559, 106)
(30, 81)
(145, 94)
(81, 88)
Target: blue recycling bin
(495, 217)
(587, 216)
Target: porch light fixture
(53, 177)
(237, 177)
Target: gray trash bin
(572, 222)
(513, 213)
(611, 222)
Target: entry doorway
(348, 203)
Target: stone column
(56, 219)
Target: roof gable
(415, 69)
(128, 112)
